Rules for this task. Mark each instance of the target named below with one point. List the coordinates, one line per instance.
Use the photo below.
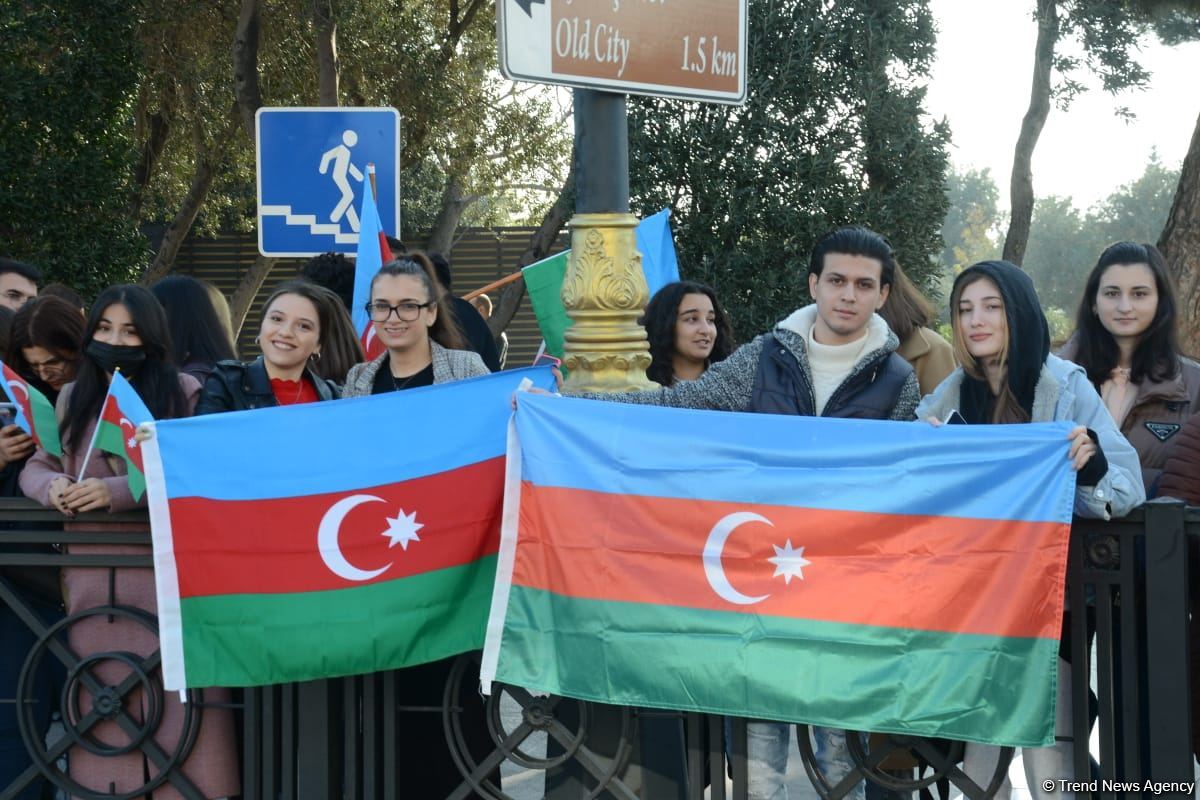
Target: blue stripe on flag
(293, 451)
(1017, 472)
(367, 261)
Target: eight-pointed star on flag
(789, 562)
(402, 529)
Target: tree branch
(245, 65)
(1021, 183)
(325, 28)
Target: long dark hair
(196, 331)
(50, 323)
(340, 348)
(156, 381)
(905, 309)
(659, 322)
(444, 330)
(1157, 353)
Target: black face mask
(111, 357)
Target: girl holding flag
(1008, 375)
(126, 331)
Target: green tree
(1061, 251)
(833, 132)
(1108, 33)
(124, 124)
(1138, 210)
(972, 221)
(67, 91)
(1065, 242)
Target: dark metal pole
(602, 131)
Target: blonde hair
(1006, 407)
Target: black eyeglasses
(405, 312)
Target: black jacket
(782, 386)
(235, 386)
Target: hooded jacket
(730, 385)
(1028, 341)
(1048, 389)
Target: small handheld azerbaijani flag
(123, 411)
(35, 415)
(876, 576)
(373, 253)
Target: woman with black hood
(1009, 376)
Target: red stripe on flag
(271, 546)
(995, 577)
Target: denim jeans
(767, 759)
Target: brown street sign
(692, 49)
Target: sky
(981, 83)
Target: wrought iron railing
(345, 738)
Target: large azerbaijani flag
(328, 539)
(860, 574)
(34, 415)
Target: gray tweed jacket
(448, 365)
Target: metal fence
(355, 738)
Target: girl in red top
(303, 325)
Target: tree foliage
(1065, 242)
(971, 227)
(120, 117)
(1100, 37)
(67, 92)
(833, 132)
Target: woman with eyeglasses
(412, 318)
(423, 341)
(45, 346)
(298, 321)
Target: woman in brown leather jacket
(1125, 339)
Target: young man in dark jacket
(833, 358)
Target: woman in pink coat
(127, 329)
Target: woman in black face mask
(127, 328)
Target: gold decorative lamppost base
(604, 292)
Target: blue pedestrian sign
(312, 171)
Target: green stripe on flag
(45, 423)
(544, 282)
(251, 640)
(960, 686)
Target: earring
(316, 356)
(257, 339)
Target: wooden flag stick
(371, 176)
(505, 281)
